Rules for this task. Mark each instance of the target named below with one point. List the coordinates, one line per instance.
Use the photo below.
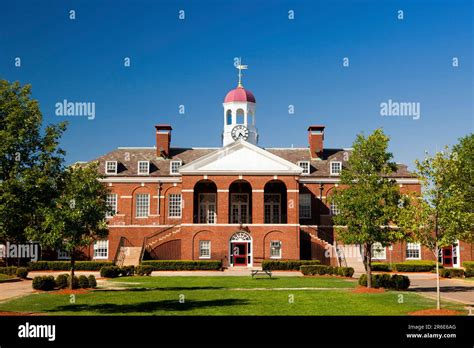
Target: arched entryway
(240, 202)
(240, 250)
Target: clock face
(240, 131)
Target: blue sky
(291, 62)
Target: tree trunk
(438, 292)
(73, 265)
(369, 265)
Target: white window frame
(272, 247)
(113, 205)
(107, 167)
(381, 253)
(204, 247)
(306, 165)
(136, 205)
(179, 163)
(413, 247)
(147, 168)
(98, 246)
(334, 209)
(240, 207)
(210, 215)
(308, 204)
(173, 211)
(332, 172)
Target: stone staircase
(129, 256)
(352, 256)
(152, 243)
(326, 245)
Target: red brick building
(239, 203)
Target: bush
(92, 281)
(290, 265)
(110, 272)
(45, 283)
(21, 272)
(469, 272)
(415, 266)
(451, 273)
(396, 281)
(144, 270)
(83, 282)
(346, 271)
(183, 265)
(75, 282)
(468, 264)
(10, 270)
(127, 271)
(66, 265)
(322, 269)
(381, 266)
(62, 281)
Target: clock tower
(239, 114)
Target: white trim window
(111, 167)
(207, 208)
(101, 249)
(142, 205)
(204, 249)
(174, 166)
(306, 167)
(143, 167)
(379, 252)
(305, 206)
(275, 249)
(272, 208)
(413, 251)
(111, 201)
(334, 209)
(174, 205)
(335, 167)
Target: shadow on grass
(148, 307)
(444, 289)
(172, 288)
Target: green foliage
(468, 264)
(395, 282)
(45, 283)
(126, 271)
(415, 266)
(83, 282)
(75, 282)
(290, 265)
(62, 281)
(66, 265)
(451, 273)
(345, 271)
(110, 272)
(326, 270)
(400, 282)
(21, 272)
(381, 267)
(92, 281)
(183, 265)
(144, 270)
(469, 272)
(10, 270)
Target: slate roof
(127, 160)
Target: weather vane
(241, 67)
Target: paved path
(15, 289)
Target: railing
(147, 239)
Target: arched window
(229, 117)
(240, 116)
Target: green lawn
(224, 296)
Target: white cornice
(140, 179)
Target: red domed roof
(239, 94)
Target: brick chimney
(316, 141)
(163, 139)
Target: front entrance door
(447, 254)
(239, 253)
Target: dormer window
(143, 167)
(174, 166)
(111, 167)
(336, 167)
(305, 165)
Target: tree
(30, 161)
(442, 213)
(77, 217)
(368, 200)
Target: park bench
(257, 272)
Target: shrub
(10, 270)
(83, 282)
(92, 281)
(468, 264)
(75, 282)
(400, 282)
(290, 265)
(415, 266)
(381, 266)
(144, 270)
(21, 272)
(183, 265)
(61, 281)
(451, 273)
(469, 272)
(127, 271)
(66, 265)
(45, 283)
(315, 269)
(396, 281)
(346, 271)
(382, 281)
(110, 272)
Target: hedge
(290, 265)
(10, 270)
(110, 272)
(144, 270)
(45, 283)
(469, 272)
(452, 273)
(415, 266)
(66, 265)
(183, 265)
(21, 272)
(381, 266)
(395, 282)
(322, 269)
(468, 264)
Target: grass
(219, 296)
